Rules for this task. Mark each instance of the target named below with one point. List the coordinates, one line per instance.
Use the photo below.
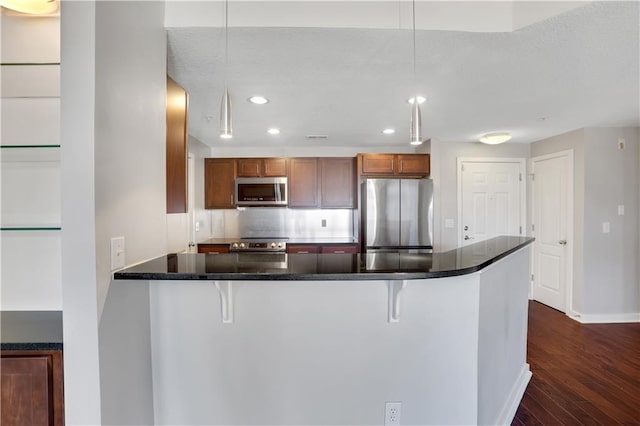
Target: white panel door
(550, 221)
(491, 200)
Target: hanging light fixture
(226, 131)
(415, 130)
(32, 7)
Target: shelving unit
(30, 223)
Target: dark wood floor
(582, 373)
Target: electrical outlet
(117, 253)
(621, 142)
(606, 227)
(621, 210)
(324, 223)
(392, 411)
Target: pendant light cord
(226, 40)
(414, 50)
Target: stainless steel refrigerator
(398, 215)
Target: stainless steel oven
(261, 191)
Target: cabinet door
(378, 164)
(341, 249)
(274, 167)
(303, 182)
(219, 180)
(217, 249)
(177, 136)
(249, 167)
(337, 183)
(303, 248)
(31, 388)
(413, 164)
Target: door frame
(568, 290)
(522, 162)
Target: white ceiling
(577, 69)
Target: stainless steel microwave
(261, 191)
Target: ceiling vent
(317, 137)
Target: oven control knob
(235, 245)
(273, 245)
(279, 245)
(241, 245)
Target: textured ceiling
(578, 69)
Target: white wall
(611, 271)
(80, 306)
(606, 280)
(444, 157)
(130, 133)
(130, 197)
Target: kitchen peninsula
(282, 338)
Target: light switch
(448, 223)
(621, 210)
(117, 253)
(606, 227)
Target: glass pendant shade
(415, 132)
(226, 131)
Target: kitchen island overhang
(455, 353)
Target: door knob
(466, 237)
(466, 228)
(562, 242)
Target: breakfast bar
(323, 338)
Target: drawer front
(213, 249)
(351, 249)
(303, 248)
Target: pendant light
(226, 131)
(415, 129)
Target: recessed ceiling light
(226, 136)
(273, 131)
(317, 136)
(421, 100)
(388, 131)
(258, 100)
(495, 138)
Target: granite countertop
(30, 330)
(301, 240)
(313, 267)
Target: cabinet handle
(562, 242)
(339, 252)
(231, 199)
(303, 252)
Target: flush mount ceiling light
(415, 129)
(258, 100)
(495, 138)
(421, 99)
(388, 131)
(31, 7)
(273, 131)
(226, 131)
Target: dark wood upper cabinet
(337, 183)
(249, 167)
(385, 165)
(378, 164)
(274, 167)
(262, 167)
(303, 182)
(413, 164)
(177, 151)
(219, 176)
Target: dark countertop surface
(303, 240)
(30, 330)
(313, 267)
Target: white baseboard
(515, 396)
(607, 318)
